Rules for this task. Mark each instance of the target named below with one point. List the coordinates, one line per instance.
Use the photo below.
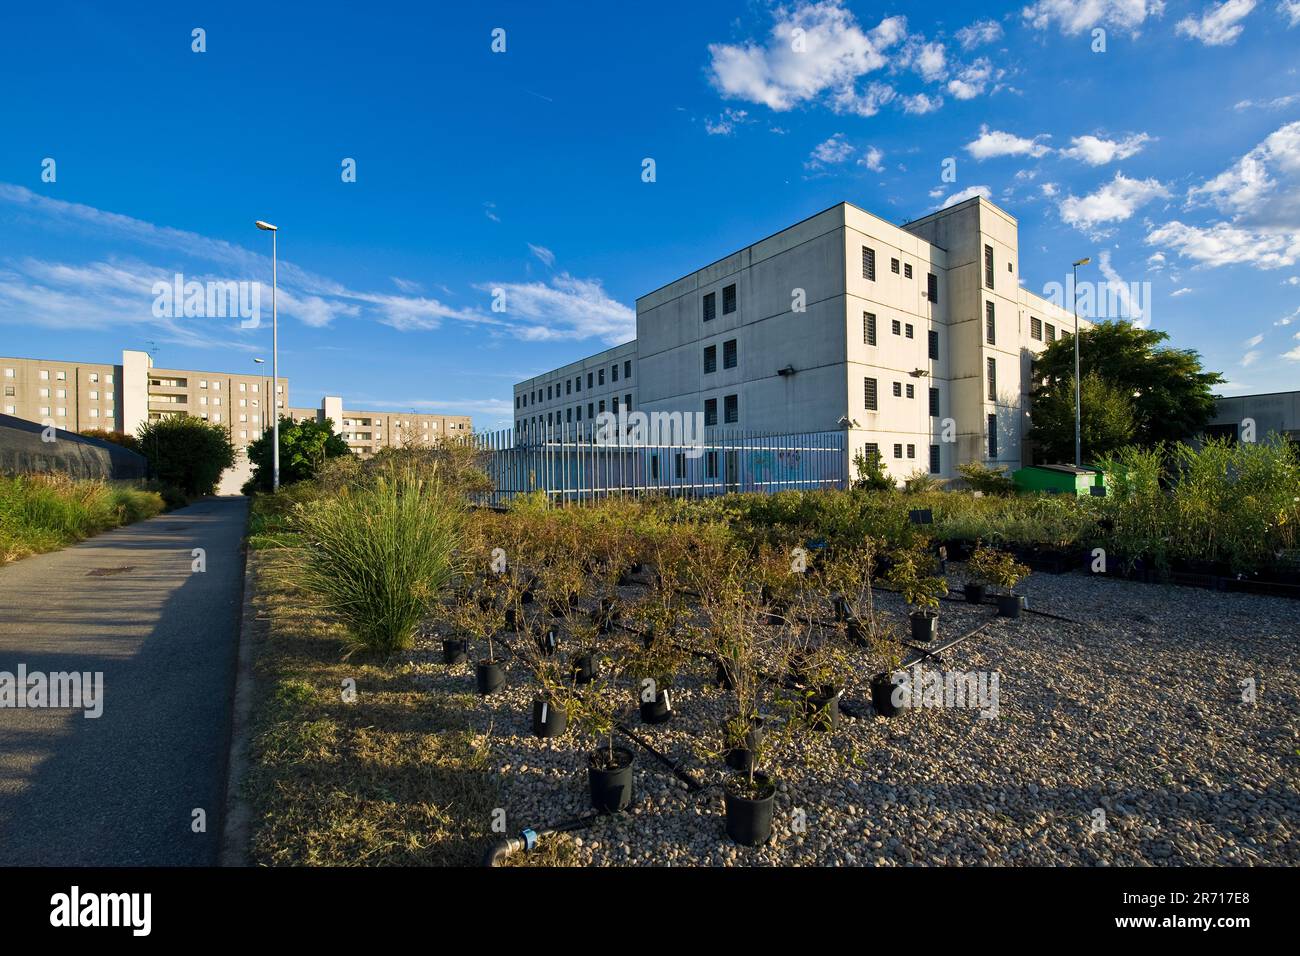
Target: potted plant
(1005, 571)
(609, 768)
(913, 574)
(979, 573)
(882, 688)
(849, 578)
(553, 701)
(484, 623)
(818, 669)
(654, 668)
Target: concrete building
(917, 339)
(1257, 415)
(573, 395)
(80, 396)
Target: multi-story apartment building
(368, 431)
(570, 398)
(918, 340)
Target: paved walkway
(121, 789)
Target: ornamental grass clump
(378, 555)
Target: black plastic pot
(490, 676)
(659, 710)
(454, 651)
(925, 626)
(583, 668)
(749, 818)
(775, 614)
(741, 756)
(605, 614)
(823, 708)
(856, 631)
(512, 619)
(841, 606)
(882, 695)
(1008, 605)
(611, 787)
(548, 720)
(974, 593)
(548, 642)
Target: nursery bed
(1120, 740)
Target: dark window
(869, 263)
(627, 369)
(868, 328)
(731, 409)
(516, 397)
(589, 380)
(993, 436)
(591, 410)
(679, 465)
(602, 406)
(614, 408)
(710, 359)
(710, 411)
(871, 450)
(548, 393)
(729, 299)
(898, 451)
(729, 353)
(898, 390)
(1036, 328)
(934, 459)
(577, 384)
(896, 327)
(932, 288)
(908, 328)
(600, 376)
(549, 416)
(993, 379)
(1051, 332)
(869, 394)
(990, 326)
(911, 451)
(934, 403)
(911, 390)
(568, 386)
(711, 464)
(893, 266)
(907, 270)
(654, 467)
(933, 336)
(627, 400)
(613, 373)
(988, 266)
(568, 414)
(710, 306)
(579, 413)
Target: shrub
(46, 512)
(871, 473)
(989, 481)
(378, 555)
(186, 452)
(919, 482)
(304, 448)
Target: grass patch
(396, 777)
(40, 513)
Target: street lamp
(1078, 418)
(258, 361)
(275, 364)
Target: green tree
(1172, 395)
(186, 452)
(304, 448)
(1107, 419)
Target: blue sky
(1171, 156)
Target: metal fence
(570, 464)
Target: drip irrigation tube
(675, 766)
(529, 837)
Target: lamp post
(275, 364)
(1078, 417)
(262, 372)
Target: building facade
(917, 340)
(1255, 417)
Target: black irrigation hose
(529, 837)
(675, 766)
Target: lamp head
(265, 226)
(1084, 261)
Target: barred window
(710, 306)
(869, 263)
(729, 299)
(1036, 328)
(869, 328)
(869, 397)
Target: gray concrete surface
(121, 789)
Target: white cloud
(873, 160)
(919, 104)
(971, 80)
(1096, 151)
(1075, 16)
(1219, 25)
(1250, 358)
(983, 31)
(929, 59)
(1224, 244)
(490, 210)
(1121, 292)
(1254, 340)
(1293, 355)
(1291, 10)
(406, 285)
(1179, 292)
(1276, 103)
(969, 193)
(1156, 261)
(1249, 186)
(564, 308)
(867, 103)
(726, 124)
(993, 143)
(1114, 202)
(814, 48)
(544, 255)
(1049, 189)
(830, 152)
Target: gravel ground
(1120, 741)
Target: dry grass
(394, 778)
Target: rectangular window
(907, 270)
(871, 450)
(601, 406)
(1036, 328)
(710, 411)
(679, 465)
(577, 384)
(911, 451)
(614, 407)
(627, 400)
(568, 414)
(627, 369)
(988, 267)
(1051, 332)
(711, 465)
(932, 288)
(589, 380)
(710, 306)
(731, 409)
(710, 359)
(898, 390)
(896, 327)
(909, 330)
(911, 390)
(591, 410)
(933, 340)
(870, 401)
(729, 299)
(993, 379)
(934, 403)
(613, 373)
(869, 263)
(990, 326)
(600, 376)
(934, 460)
(898, 451)
(548, 393)
(993, 436)
(579, 412)
(94, 376)
(869, 328)
(893, 266)
(729, 353)
(568, 386)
